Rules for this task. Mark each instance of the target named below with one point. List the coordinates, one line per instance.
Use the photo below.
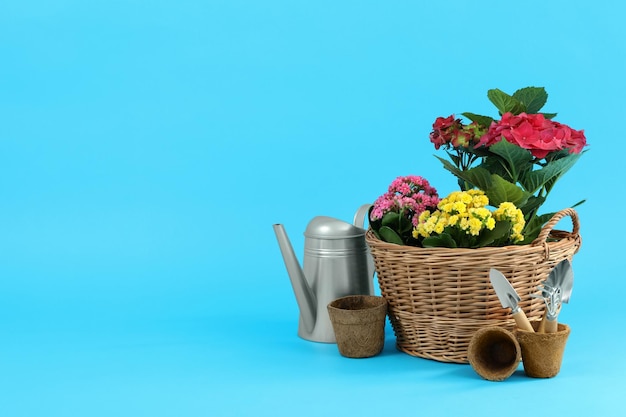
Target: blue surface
(146, 148)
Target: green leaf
(404, 225)
(533, 181)
(496, 188)
(391, 219)
(389, 235)
(450, 167)
(516, 158)
(496, 165)
(533, 227)
(549, 115)
(502, 190)
(504, 102)
(557, 155)
(443, 240)
(477, 118)
(553, 181)
(456, 159)
(464, 185)
(533, 203)
(500, 233)
(533, 98)
(477, 176)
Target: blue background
(147, 147)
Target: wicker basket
(438, 297)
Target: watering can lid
(323, 227)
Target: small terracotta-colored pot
(542, 353)
(359, 324)
(494, 353)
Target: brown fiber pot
(542, 353)
(494, 353)
(359, 324)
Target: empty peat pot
(542, 353)
(494, 353)
(359, 324)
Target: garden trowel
(508, 298)
(555, 291)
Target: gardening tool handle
(551, 326)
(522, 321)
(547, 325)
(542, 324)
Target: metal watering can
(337, 263)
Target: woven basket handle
(547, 228)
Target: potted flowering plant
(517, 158)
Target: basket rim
(372, 240)
(540, 244)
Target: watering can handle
(359, 221)
(360, 215)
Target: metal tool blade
(508, 298)
(555, 291)
(555, 276)
(504, 290)
(567, 280)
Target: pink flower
(535, 133)
(410, 195)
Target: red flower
(450, 131)
(443, 130)
(535, 133)
(462, 139)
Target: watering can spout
(304, 295)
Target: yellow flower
(425, 225)
(460, 207)
(464, 225)
(465, 198)
(474, 226)
(480, 201)
(508, 211)
(481, 213)
(474, 192)
(441, 224)
(447, 207)
(466, 211)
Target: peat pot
(359, 324)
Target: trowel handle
(542, 324)
(547, 325)
(522, 321)
(360, 215)
(551, 326)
